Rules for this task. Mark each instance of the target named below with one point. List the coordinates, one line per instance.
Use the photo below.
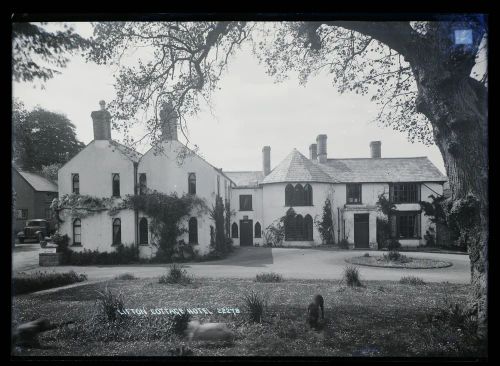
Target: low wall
(49, 259)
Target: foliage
(50, 171)
(221, 246)
(38, 53)
(255, 306)
(62, 242)
(125, 277)
(366, 255)
(275, 233)
(344, 244)
(81, 206)
(42, 138)
(121, 255)
(393, 244)
(176, 275)
(411, 280)
(110, 307)
(383, 231)
(351, 276)
(395, 256)
(39, 280)
(269, 277)
(166, 211)
(384, 205)
(325, 225)
(429, 237)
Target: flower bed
(413, 263)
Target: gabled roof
(246, 179)
(365, 170)
(297, 168)
(38, 182)
(131, 154)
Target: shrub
(344, 244)
(351, 276)
(393, 244)
(122, 255)
(180, 322)
(110, 306)
(43, 280)
(125, 276)
(269, 277)
(255, 306)
(176, 274)
(62, 242)
(411, 280)
(395, 256)
(366, 255)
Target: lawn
(378, 319)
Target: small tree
(222, 246)
(325, 226)
(385, 206)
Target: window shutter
(393, 222)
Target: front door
(246, 232)
(361, 230)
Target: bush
(42, 280)
(351, 276)
(176, 275)
(395, 256)
(125, 276)
(393, 244)
(62, 242)
(122, 255)
(411, 280)
(110, 306)
(366, 255)
(180, 322)
(269, 277)
(344, 244)
(255, 306)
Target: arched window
(192, 183)
(257, 230)
(193, 230)
(289, 195)
(117, 231)
(299, 195)
(234, 230)
(143, 231)
(142, 183)
(77, 232)
(290, 232)
(308, 227)
(299, 227)
(76, 183)
(116, 185)
(308, 195)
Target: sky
(249, 111)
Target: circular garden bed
(403, 262)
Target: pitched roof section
(38, 182)
(297, 168)
(365, 170)
(246, 179)
(130, 153)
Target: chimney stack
(266, 160)
(313, 152)
(168, 121)
(102, 123)
(321, 142)
(375, 149)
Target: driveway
(246, 262)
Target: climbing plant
(221, 244)
(325, 225)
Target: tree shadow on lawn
(244, 257)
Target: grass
(351, 276)
(176, 275)
(255, 306)
(269, 277)
(411, 280)
(380, 319)
(40, 280)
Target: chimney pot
(102, 103)
(266, 160)
(375, 149)
(321, 142)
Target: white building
(106, 168)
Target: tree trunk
(457, 110)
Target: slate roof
(133, 155)
(38, 182)
(246, 178)
(297, 168)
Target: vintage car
(37, 229)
